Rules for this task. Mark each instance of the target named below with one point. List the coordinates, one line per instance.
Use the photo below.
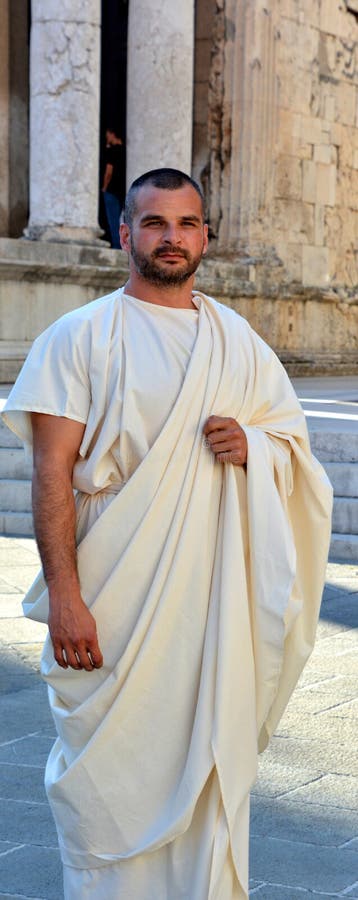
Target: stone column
(4, 118)
(159, 85)
(64, 120)
(242, 123)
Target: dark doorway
(113, 81)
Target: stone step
(334, 446)
(15, 463)
(344, 478)
(7, 437)
(345, 515)
(17, 523)
(12, 358)
(15, 495)
(344, 547)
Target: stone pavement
(304, 833)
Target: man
(182, 584)
(112, 187)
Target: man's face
(168, 237)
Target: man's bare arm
(72, 627)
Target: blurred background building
(257, 100)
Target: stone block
(15, 495)
(302, 11)
(346, 103)
(325, 153)
(311, 129)
(295, 221)
(344, 546)
(326, 184)
(309, 183)
(337, 134)
(334, 19)
(344, 477)
(315, 266)
(330, 108)
(291, 256)
(288, 181)
(347, 149)
(345, 515)
(298, 46)
(19, 523)
(294, 92)
(14, 463)
(319, 225)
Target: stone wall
(282, 106)
(313, 331)
(315, 204)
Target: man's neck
(178, 296)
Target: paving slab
(297, 822)
(38, 867)
(28, 824)
(275, 892)
(303, 865)
(22, 783)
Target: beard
(151, 270)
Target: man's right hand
(74, 634)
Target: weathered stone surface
(160, 86)
(64, 120)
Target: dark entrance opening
(113, 83)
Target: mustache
(162, 251)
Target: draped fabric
(205, 580)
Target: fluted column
(160, 85)
(242, 122)
(64, 120)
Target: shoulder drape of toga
(205, 579)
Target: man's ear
(125, 236)
(206, 239)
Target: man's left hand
(226, 439)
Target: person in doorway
(182, 582)
(112, 186)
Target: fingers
(81, 656)
(226, 439)
(218, 423)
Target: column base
(64, 234)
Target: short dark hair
(166, 180)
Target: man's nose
(172, 234)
